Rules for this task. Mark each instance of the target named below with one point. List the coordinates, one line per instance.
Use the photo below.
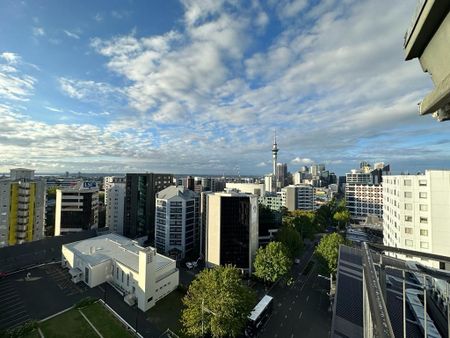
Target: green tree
(291, 240)
(51, 193)
(272, 262)
(327, 251)
(342, 218)
(218, 299)
(305, 223)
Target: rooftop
(173, 191)
(100, 249)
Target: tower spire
(274, 161)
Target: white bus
(259, 316)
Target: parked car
(189, 265)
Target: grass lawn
(167, 313)
(105, 322)
(72, 324)
(69, 324)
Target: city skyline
(200, 87)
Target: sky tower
(274, 160)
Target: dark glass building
(231, 229)
(139, 208)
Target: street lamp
(204, 308)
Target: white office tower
(177, 216)
(22, 208)
(76, 208)
(416, 213)
(298, 197)
(231, 234)
(114, 201)
(297, 177)
(364, 191)
(140, 274)
(268, 183)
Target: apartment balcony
(24, 199)
(22, 213)
(22, 220)
(21, 235)
(427, 39)
(21, 227)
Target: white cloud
(14, 84)
(98, 17)
(90, 113)
(57, 110)
(72, 34)
(330, 78)
(11, 58)
(305, 161)
(38, 31)
(88, 90)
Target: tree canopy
(342, 218)
(272, 262)
(327, 251)
(291, 240)
(303, 221)
(222, 298)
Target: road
(300, 310)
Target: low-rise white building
(417, 212)
(274, 201)
(140, 274)
(257, 189)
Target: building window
(423, 232)
(408, 206)
(423, 207)
(122, 276)
(86, 275)
(422, 194)
(408, 194)
(422, 183)
(407, 183)
(408, 242)
(408, 218)
(409, 231)
(424, 245)
(128, 280)
(423, 220)
(117, 272)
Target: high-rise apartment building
(139, 207)
(298, 197)
(417, 212)
(231, 229)
(22, 207)
(281, 175)
(114, 202)
(76, 208)
(364, 191)
(177, 222)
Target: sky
(201, 86)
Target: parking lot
(38, 293)
(12, 309)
